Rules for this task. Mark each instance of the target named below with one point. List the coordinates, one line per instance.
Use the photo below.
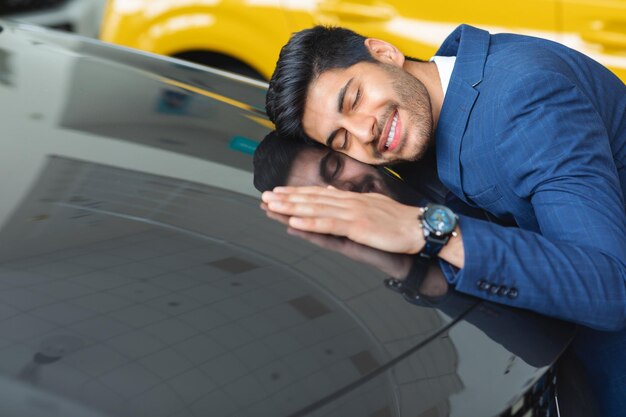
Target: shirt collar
(445, 65)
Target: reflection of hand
(392, 264)
(370, 219)
(434, 283)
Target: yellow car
(245, 36)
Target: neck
(428, 74)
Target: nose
(362, 127)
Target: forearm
(565, 280)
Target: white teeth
(392, 131)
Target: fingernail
(296, 222)
(274, 205)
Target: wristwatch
(438, 223)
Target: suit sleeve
(555, 154)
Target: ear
(384, 52)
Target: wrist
(453, 252)
(416, 233)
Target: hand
(371, 219)
(434, 283)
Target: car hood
(138, 275)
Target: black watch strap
(431, 248)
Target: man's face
(323, 167)
(374, 112)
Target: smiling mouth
(392, 131)
(390, 140)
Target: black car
(139, 277)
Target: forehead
(320, 107)
(326, 87)
(305, 169)
(335, 79)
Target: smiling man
(383, 114)
(528, 130)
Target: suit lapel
(470, 46)
(450, 130)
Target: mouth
(390, 138)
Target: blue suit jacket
(535, 134)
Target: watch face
(440, 218)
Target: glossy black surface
(139, 277)
(22, 6)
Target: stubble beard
(413, 96)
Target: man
(528, 130)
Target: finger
(278, 217)
(311, 210)
(334, 194)
(313, 199)
(273, 215)
(331, 226)
(267, 196)
(314, 190)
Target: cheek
(380, 97)
(361, 155)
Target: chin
(420, 147)
(412, 152)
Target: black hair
(273, 159)
(308, 54)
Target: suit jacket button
(503, 291)
(484, 285)
(513, 293)
(494, 289)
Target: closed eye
(344, 144)
(356, 98)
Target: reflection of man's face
(317, 166)
(375, 113)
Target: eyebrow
(340, 98)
